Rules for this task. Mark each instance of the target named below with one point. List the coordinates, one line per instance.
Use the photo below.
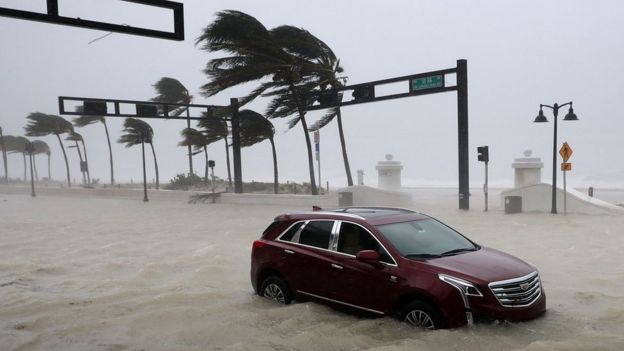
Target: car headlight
(464, 287)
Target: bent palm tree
(41, 147)
(216, 128)
(256, 53)
(17, 145)
(295, 60)
(172, 91)
(4, 157)
(254, 128)
(199, 142)
(138, 131)
(41, 124)
(83, 121)
(75, 137)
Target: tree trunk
(84, 147)
(227, 160)
(206, 171)
(4, 159)
(304, 125)
(155, 166)
(66, 163)
(24, 155)
(275, 181)
(344, 148)
(190, 153)
(49, 173)
(110, 153)
(84, 177)
(34, 161)
(145, 199)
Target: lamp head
(540, 117)
(571, 116)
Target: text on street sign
(427, 83)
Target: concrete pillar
(527, 170)
(389, 173)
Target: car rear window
(288, 236)
(317, 234)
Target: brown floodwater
(80, 273)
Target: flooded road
(80, 273)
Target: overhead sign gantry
(418, 84)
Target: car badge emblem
(524, 286)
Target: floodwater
(80, 273)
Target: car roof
(369, 214)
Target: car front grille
(518, 292)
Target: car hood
(482, 266)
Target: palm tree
(256, 53)
(4, 157)
(216, 128)
(41, 147)
(172, 91)
(296, 61)
(199, 141)
(17, 145)
(86, 120)
(41, 124)
(137, 132)
(254, 128)
(75, 137)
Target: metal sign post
(317, 142)
(565, 153)
(484, 156)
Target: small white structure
(527, 170)
(360, 177)
(536, 196)
(389, 173)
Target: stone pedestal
(389, 173)
(527, 170)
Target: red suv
(389, 261)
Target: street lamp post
(541, 118)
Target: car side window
(288, 236)
(316, 233)
(354, 238)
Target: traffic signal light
(329, 98)
(483, 154)
(144, 110)
(363, 92)
(94, 108)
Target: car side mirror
(368, 256)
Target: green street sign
(427, 82)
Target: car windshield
(425, 239)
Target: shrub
(184, 181)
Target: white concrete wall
(362, 196)
(538, 198)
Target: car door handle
(290, 252)
(337, 266)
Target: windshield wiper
(456, 251)
(422, 256)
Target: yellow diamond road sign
(565, 152)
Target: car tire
(422, 315)
(275, 288)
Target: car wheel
(421, 315)
(275, 288)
